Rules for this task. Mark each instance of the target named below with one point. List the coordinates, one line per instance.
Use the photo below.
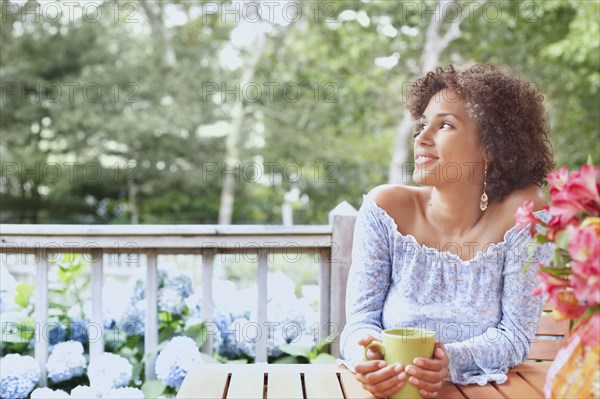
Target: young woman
(447, 256)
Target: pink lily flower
(524, 217)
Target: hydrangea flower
(109, 371)
(170, 301)
(78, 330)
(139, 291)
(194, 303)
(134, 318)
(239, 338)
(47, 393)
(115, 294)
(57, 333)
(176, 358)
(18, 376)
(128, 392)
(178, 281)
(66, 361)
(8, 289)
(83, 392)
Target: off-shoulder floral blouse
(481, 309)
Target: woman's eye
(446, 124)
(418, 129)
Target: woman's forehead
(446, 101)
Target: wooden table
(305, 381)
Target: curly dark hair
(510, 117)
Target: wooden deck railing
(332, 242)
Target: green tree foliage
(97, 127)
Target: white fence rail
(332, 242)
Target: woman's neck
(455, 210)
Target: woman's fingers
(438, 363)
(426, 375)
(371, 374)
(381, 382)
(426, 385)
(372, 353)
(428, 394)
(368, 366)
(366, 340)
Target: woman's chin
(423, 177)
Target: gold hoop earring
(483, 203)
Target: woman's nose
(424, 136)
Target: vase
(575, 371)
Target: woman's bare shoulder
(397, 200)
(530, 193)
(509, 205)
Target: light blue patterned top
(481, 309)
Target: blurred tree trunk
(154, 11)
(232, 144)
(434, 45)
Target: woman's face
(446, 147)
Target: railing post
(151, 329)
(325, 289)
(41, 313)
(261, 314)
(97, 322)
(342, 218)
(207, 296)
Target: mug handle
(377, 344)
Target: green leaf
(590, 161)
(211, 360)
(64, 275)
(326, 341)
(562, 240)
(323, 358)
(540, 239)
(236, 361)
(295, 350)
(156, 349)
(24, 292)
(137, 371)
(557, 271)
(286, 360)
(590, 311)
(153, 388)
(197, 332)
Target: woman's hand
(375, 376)
(428, 374)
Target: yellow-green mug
(403, 345)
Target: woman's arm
(488, 357)
(368, 280)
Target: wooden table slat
(204, 383)
(533, 366)
(518, 388)
(246, 385)
(322, 386)
(284, 386)
(352, 388)
(449, 391)
(545, 349)
(535, 378)
(329, 381)
(481, 392)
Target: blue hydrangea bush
(119, 372)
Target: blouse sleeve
(488, 357)
(368, 280)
